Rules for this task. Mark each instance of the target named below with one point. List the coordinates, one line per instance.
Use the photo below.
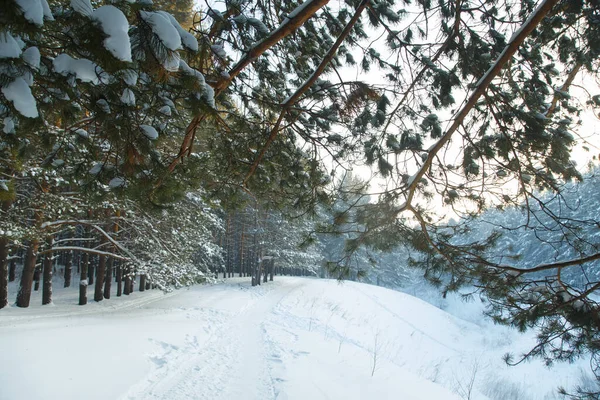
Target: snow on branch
(296, 19)
(85, 250)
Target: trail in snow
(230, 364)
(291, 339)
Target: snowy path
(292, 339)
(231, 364)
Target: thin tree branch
(290, 101)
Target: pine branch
(564, 88)
(256, 51)
(84, 250)
(290, 101)
(528, 26)
(285, 29)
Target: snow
(258, 25)
(149, 132)
(129, 76)
(96, 169)
(163, 28)
(187, 39)
(115, 26)
(82, 133)
(104, 106)
(215, 14)
(9, 48)
(35, 10)
(294, 338)
(83, 69)
(83, 7)
(298, 9)
(209, 96)
(219, 51)
(19, 93)
(165, 110)
(116, 182)
(128, 97)
(9, 126)
(32, 57)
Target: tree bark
(24, 294)
(68, 268)
(142, 282)
(100, 271)
(83, 279)
(119, 279)
(47, 275)
(108, 278)
(36, 277)
(271, 269)
(12, 269)
(90, 271)
(3, 272)
(127, 285)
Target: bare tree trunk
(271, 269)
(12, 270)
(119, 279)
(108, 278)
(47, 276)
(3, 272)
(111, 260)
(142, 282)
(68, 268)
(90, 272)
(24, 294)
(83, 279)
(36, 277)
(100, 271)
(127, 284)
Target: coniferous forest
(155, 145)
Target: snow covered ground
(294, 338)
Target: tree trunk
(68, 268)
(148, 285)
(272, 270)
(24, 294)
(266, 271)
(47, 276)
(119, 279)
(3, 272)
(100, 271)
(108, 278)
(90, 270)
(127, 288)
(83, 279)
(36, 277)
(142, 282)
(12, 270)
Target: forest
(157, 145)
